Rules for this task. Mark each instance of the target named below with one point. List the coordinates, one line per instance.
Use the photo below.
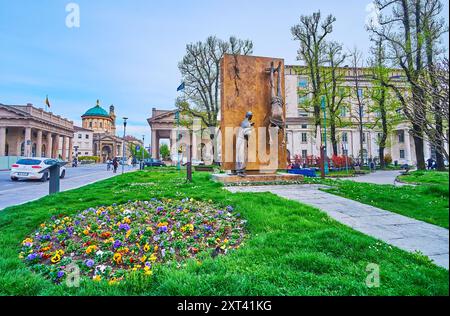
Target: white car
(30, 168)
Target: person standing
(115, 164)
(430, 163)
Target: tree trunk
(418, 144)
(333, 137)
(418, 128)
(381, 155)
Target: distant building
(26, 131)
(83, 143)
(106, 144)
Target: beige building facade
(301, 133)
(83, 142)
(26, 131)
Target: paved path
(15, 193)
(404, 232)
(379, 177)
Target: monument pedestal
(271, 178)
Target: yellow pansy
(153, 257)
(147, 247)
(56, 258)
(97, 278)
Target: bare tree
(357, 65)
(311, 32)
(436, 105)
(333, 89)
(200, 70)
(434, 27)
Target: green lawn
(292, 249)
(426, 177)
(429, 203)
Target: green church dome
(96, 111)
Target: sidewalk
(400, 231)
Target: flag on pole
(47, 102)
(181, 87)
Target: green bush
(89, 158)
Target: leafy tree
(384, 103)
(401, 27)
(333, 77)
(164, 151)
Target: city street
(14, 193)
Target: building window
(345, 152)
(101, 125)
(402, 154)
(79, 136)
(304, 138)
(343, 111)
(90, 124)
(304, 126)
(304, 154)
(303, 83)
(401, 136)
(87, 136)
(345, 137)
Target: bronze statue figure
(242, 138)
(276, 115)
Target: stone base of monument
(258, 179)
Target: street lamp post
(143, 150)
(124, 144)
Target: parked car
(151, 162)
(30, 168)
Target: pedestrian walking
(108, 164)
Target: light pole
(177, 117)
(124, 144)
(325, 160)
(143, 150)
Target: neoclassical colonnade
(30, 132)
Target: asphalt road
(15, 193)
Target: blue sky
(126, 51)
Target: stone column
(39, 144)
(70, 148)
(64, 148)
(27, 141)
(155, 144)
(48, 154)
(407, 147)
(55, 146)
(2, 141)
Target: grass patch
(292, 249)
(426, 177)
(428, 203)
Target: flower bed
(107, 243)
